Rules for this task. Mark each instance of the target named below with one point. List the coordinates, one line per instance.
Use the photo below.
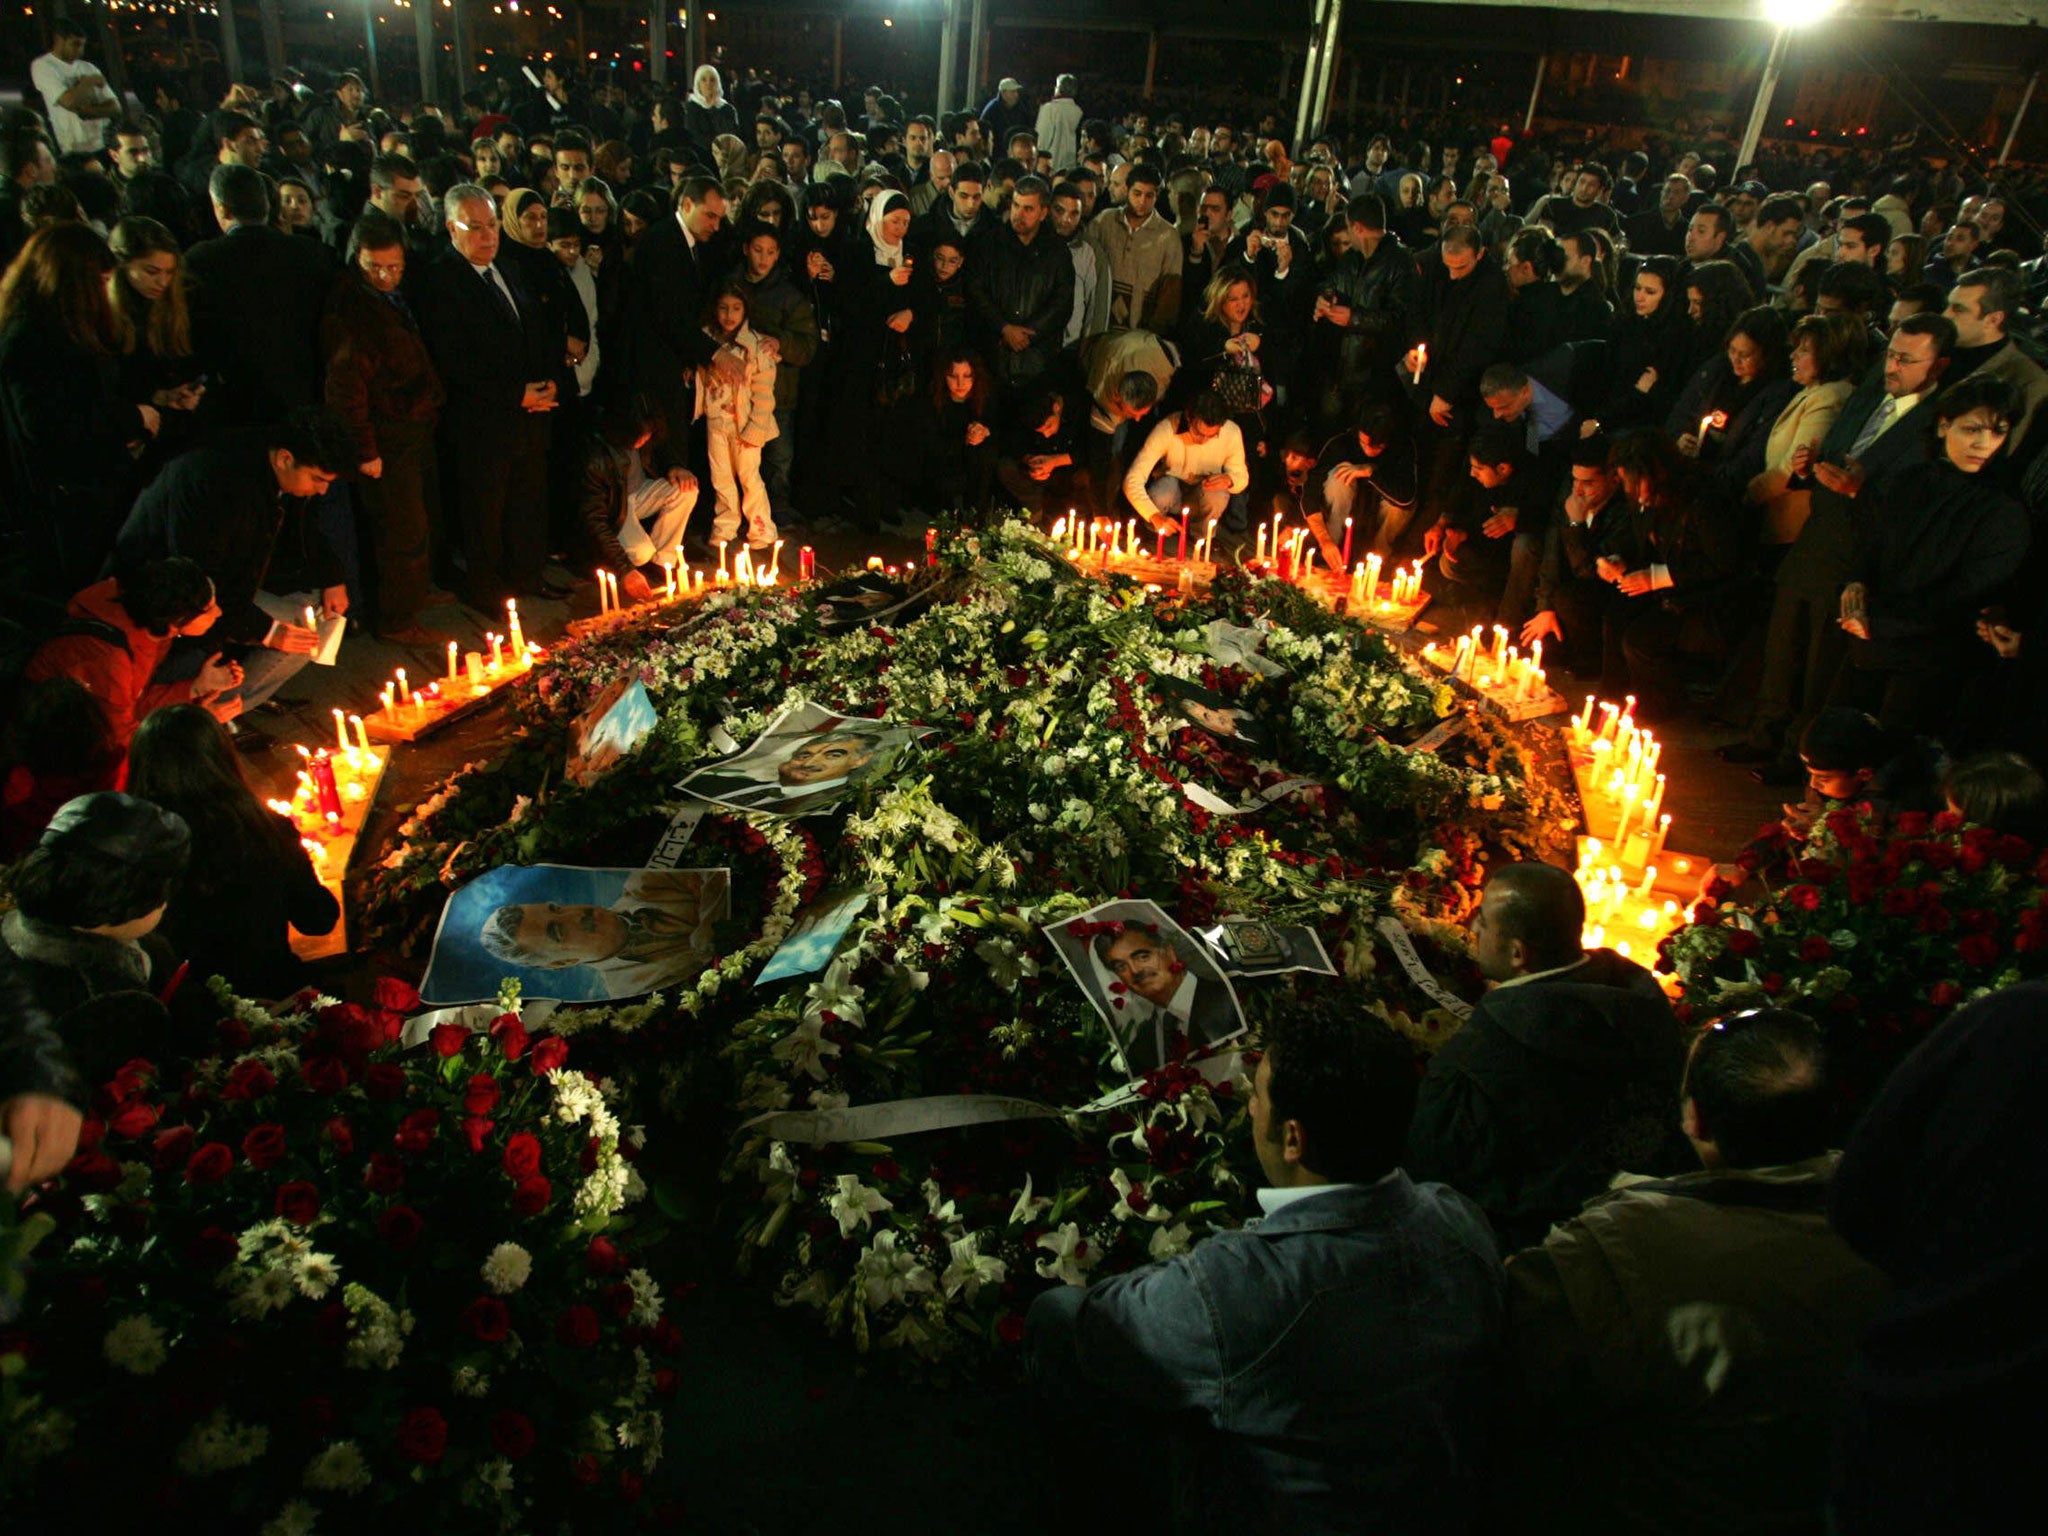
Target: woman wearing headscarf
(525, 248)
(875, 374)
(707, 113)
(1647, 354)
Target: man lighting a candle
(1364, 481)
(634, 504)
(1193, 460)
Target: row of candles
(1500, 666)
(1616, 764)
(679, 579)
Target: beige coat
(1802, 424)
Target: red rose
(1979, 949)
(1804, 897)
(448, 1039)
(480, 1094)
(1815, 948)
(1944, 994)
(325, 1074)
(210, 1164)
(476, 1130)
(93, 1172)
(264, 1146)
(248, 1080)
(213, 1248)
(532, 1196)
(510, 1035)
(585, 1470)
(603, 1257)
(382, 1080)
(417, 1130)
(522, 1157)
(172, 1147)
(385, 1175)
(340, 1134)
(512, 1433)
(1773, 984)
(488, 1318)
(133, 1119)
(549, 1052)
(1742, 943)
(1911, 823)
(234, 1034)
(396, 996)
(400, 1226)
(1936, 919)
(352, 1029)
(578, 1327)
(423, 1436)
(298, 1202)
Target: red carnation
(549, 1053)
(476, 1130)
(325, 1074)
(522, 1157)
(298, 1202)
(448, 1039)
(417, 1130)
(603, 1257)
(170, 1148)
(133, 1119)
(480, 1094)
(264, 1146)
(1911, 823)
(512, 1433)
(341, 1134)
(1816, 948)
(395, 995)
(510, 1035)
(400, 1226)
(1804, 897)
(210, 1164)
(532, 1196)
(385, 1175)
(423, 1436)
(488, 1318)
(248, 1080)
(1978, 949)
(578, 1327)
(383, 1080)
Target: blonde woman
(1827, 358)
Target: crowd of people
(1772, 452)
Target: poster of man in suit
(1151, 981)
(806, 761)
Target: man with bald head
(1566, 1074)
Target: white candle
(497, 645)
(517, 636)
(453, 651)
(341, 729)
(404, 690)
(390, 694)
(362, 735)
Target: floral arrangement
(1055, 774)
(1879, 927)
(315, 1273)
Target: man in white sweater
(1193, 460)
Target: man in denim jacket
(1341, 1349)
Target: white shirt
(1168, 453)
(1273, 1201)
(53, 77)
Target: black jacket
(377, 365)
(667, 284)
(1465, 324)
(484, 360)
(257, 298)
(601, 499)
(67, 425)
(1552, 1087)
(1381, 295)
(1823, 556)
(936, 224)
(1028, 285)
(220, 506)
(232, 922)
(74, 1006)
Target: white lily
(971, 1269)
(1071, 1259)
(888, 1274)
(805, 1048)
(1169, 1241)
(942, 1209)
(1028, 1208)
(855, 1205)
(1123, 1210)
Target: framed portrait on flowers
(1206, 710)
(576, 935)
(806, 761)
(1152, 981)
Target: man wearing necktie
(490, 351)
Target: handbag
(1239, 384)
(895, 373)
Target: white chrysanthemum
(316, 1274)
(220, 1444)
(340, 1468)
(646, 1299)
(135, 1345)
(495, 1475)
(267, 1291)
(507, 1268)
(298, 1518)
(468, 1381)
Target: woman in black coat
(1741, 391)
(72, 434)
(250, 881)
(1647, 353)
(874, 373)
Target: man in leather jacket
(1369, 297)
(1023, 292)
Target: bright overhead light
(1799, 13)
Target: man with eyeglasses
(1698, 1328)
(1566, 1073)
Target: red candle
(1285, 564)
(1160, 552)
(806, 563)
(1347, 546)
(931, 546)
(324, 789)
(1183, 534)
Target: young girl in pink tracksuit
(739, 417)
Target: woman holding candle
(1742, 391)
(1221, 347)
(949, 458)
(249, 881)
(1827, 360)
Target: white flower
(1168, 1241)
(805, 1048)
(340, 1468)
(1028, 1209)
(135, 1345)
(316, 1274)
(971, 1269)
(646, 1299)
(495, 1475)
(1123, 1209)
(887, 1274)
(1071, 1259)
(296, 1518)
(855, 1205)
(1006, 967)
(942, 1209)
(220, 1444)
(268, 1291)
(507, 1268)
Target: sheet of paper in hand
(1150, 979)
(574, 934)
(617, 721)
(806, 761)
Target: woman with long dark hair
(72, 434)
(249, 882)
(153, 323)
(1646, 355)
(1723, 418)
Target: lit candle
(1159, 550)
(874, 561)
(1131, 545)
(1628, 810)
(312, 621)
(1308, 560)
(1584, 718)
(806, 563)
(1372, 576)
(1186, 585)
(497, 646)
(1706, 426)
(404, 691)
(1185, 512)
(1657, 843)
(1421, 361)
(473, 669)
(1259, 551)
(775, 562)
(1500, 643)
(453, 652)
(326, 795)
(1358, 589)
(668, 581)
(702, 577)
(1609, 714)
(363, 737)
(1347, 541)
(931, 547)
(341, 729)
(1536, 656)
(517, 636)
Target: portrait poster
(867, 597)
(617, 721)
(811, 943)
(1206, 710)
(805, 761)
(1150, 979)
(574, 934)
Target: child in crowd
(739, 419)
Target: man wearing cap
(1059, 125)
(1006, 112)
(83, 982)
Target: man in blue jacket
(1339, 1350)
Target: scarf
(884, 203)
(515, 204)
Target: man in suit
(808, 778)
(488, 344)
(1162, 994)
(1872, 439)
(658, 932)
(1566, 1074)
(1339, 1350)
(672, 271)
(257, 299)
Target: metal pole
(1329, 67)
(2019, 116)
(657, 43)
(1536, 90)
(1308, 76)
(230, 45)
(423, 39)
(273, 36)
(949, 56)
(1151, 60)
(117, 67)
(370, 48)
(464, 49)
(696, 46)
(977, 41)
(1773, 67)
